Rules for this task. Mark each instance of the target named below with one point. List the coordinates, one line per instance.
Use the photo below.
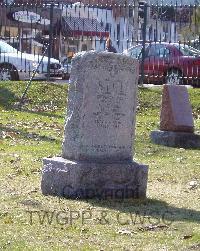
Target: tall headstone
(97, 157)
(176, 119)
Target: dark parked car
(169, 63)
(66, 68)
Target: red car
(170, 63)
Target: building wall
(118, 26)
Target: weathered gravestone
(176, 119)
(99, 132)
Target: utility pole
(135, 21)
(50, 40)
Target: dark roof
(75, 26)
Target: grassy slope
(36, 132)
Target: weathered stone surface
(176, 139)
(176, 111)
(99, 132)
(80, 179)
(101, 107)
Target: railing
(162, 34)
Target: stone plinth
(83, 179)
(176, 139)
(176, 111)
(99, 131)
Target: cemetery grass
(168, 220)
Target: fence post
(143, 43)
(50, 40)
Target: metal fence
(39, 39)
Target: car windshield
(188, 50)
(6, 48)
(134, 51)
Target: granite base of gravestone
(97, 158)
(176, 120)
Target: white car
(15, 65)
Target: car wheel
(8, 72)
(65, 76)
(174, 77)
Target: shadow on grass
(45, 114)
(12, 132)
(7, 98)
(156, 210)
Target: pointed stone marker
(176, 111)
(97, 157)
(176, 120)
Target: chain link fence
(38, 39)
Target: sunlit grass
(26, 136)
